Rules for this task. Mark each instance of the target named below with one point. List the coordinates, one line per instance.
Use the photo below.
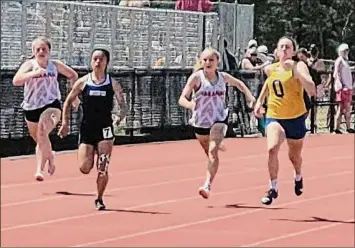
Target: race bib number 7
(107, 133)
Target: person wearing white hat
(343, 86)
(263, 54)
(252, 43)
(252, 62)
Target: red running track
(152, 198)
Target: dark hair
(106, 54)
(303, 51)
(104, 51)
(294, 43)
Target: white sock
(273, 184)
(298, 177)
(207, 183)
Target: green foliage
(326, 23)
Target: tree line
(326, 23)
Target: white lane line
(251, 170)
(150, 169)
(208, 220)
(158, 203)
(294, 234)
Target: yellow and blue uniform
(285, 103)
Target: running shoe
(100, 204)
(299, 187)
(271, 194)
(39, 176)
(204, 191)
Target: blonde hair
(197, 66)
(42, 39)
(212, 51)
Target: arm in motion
(240, 85)
(26, 72)
(187, 91)
(120, 100)
(302, 72)
(73, 94)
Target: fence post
(150, 40)
(70, 51)
(313, 107)
(203, 32)
(184, 36)
(24, 29)
(169, 17)
(235, 29)
(113, 32)
(48, 20)
(332, 107)
(134, 87)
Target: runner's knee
(102, 164)
(86, 167)
(294, 157)
(218, 131)
(48, 120)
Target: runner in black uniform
(96, 132)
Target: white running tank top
(210, 102)
(43, 90)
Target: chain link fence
(152, 98)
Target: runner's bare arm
(120, 100)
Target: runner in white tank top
(41, 90)
(42, 99)
(210, 112)
(210, 99)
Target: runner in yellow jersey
(285, 116)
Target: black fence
(154, 114)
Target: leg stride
(102, 180)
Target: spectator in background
(229, 62)
(264, 55)
(251, 61)
(160, 61)
(316, 66)
(343, 86)
(252, 43)
(314, 61)
(194, 5)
